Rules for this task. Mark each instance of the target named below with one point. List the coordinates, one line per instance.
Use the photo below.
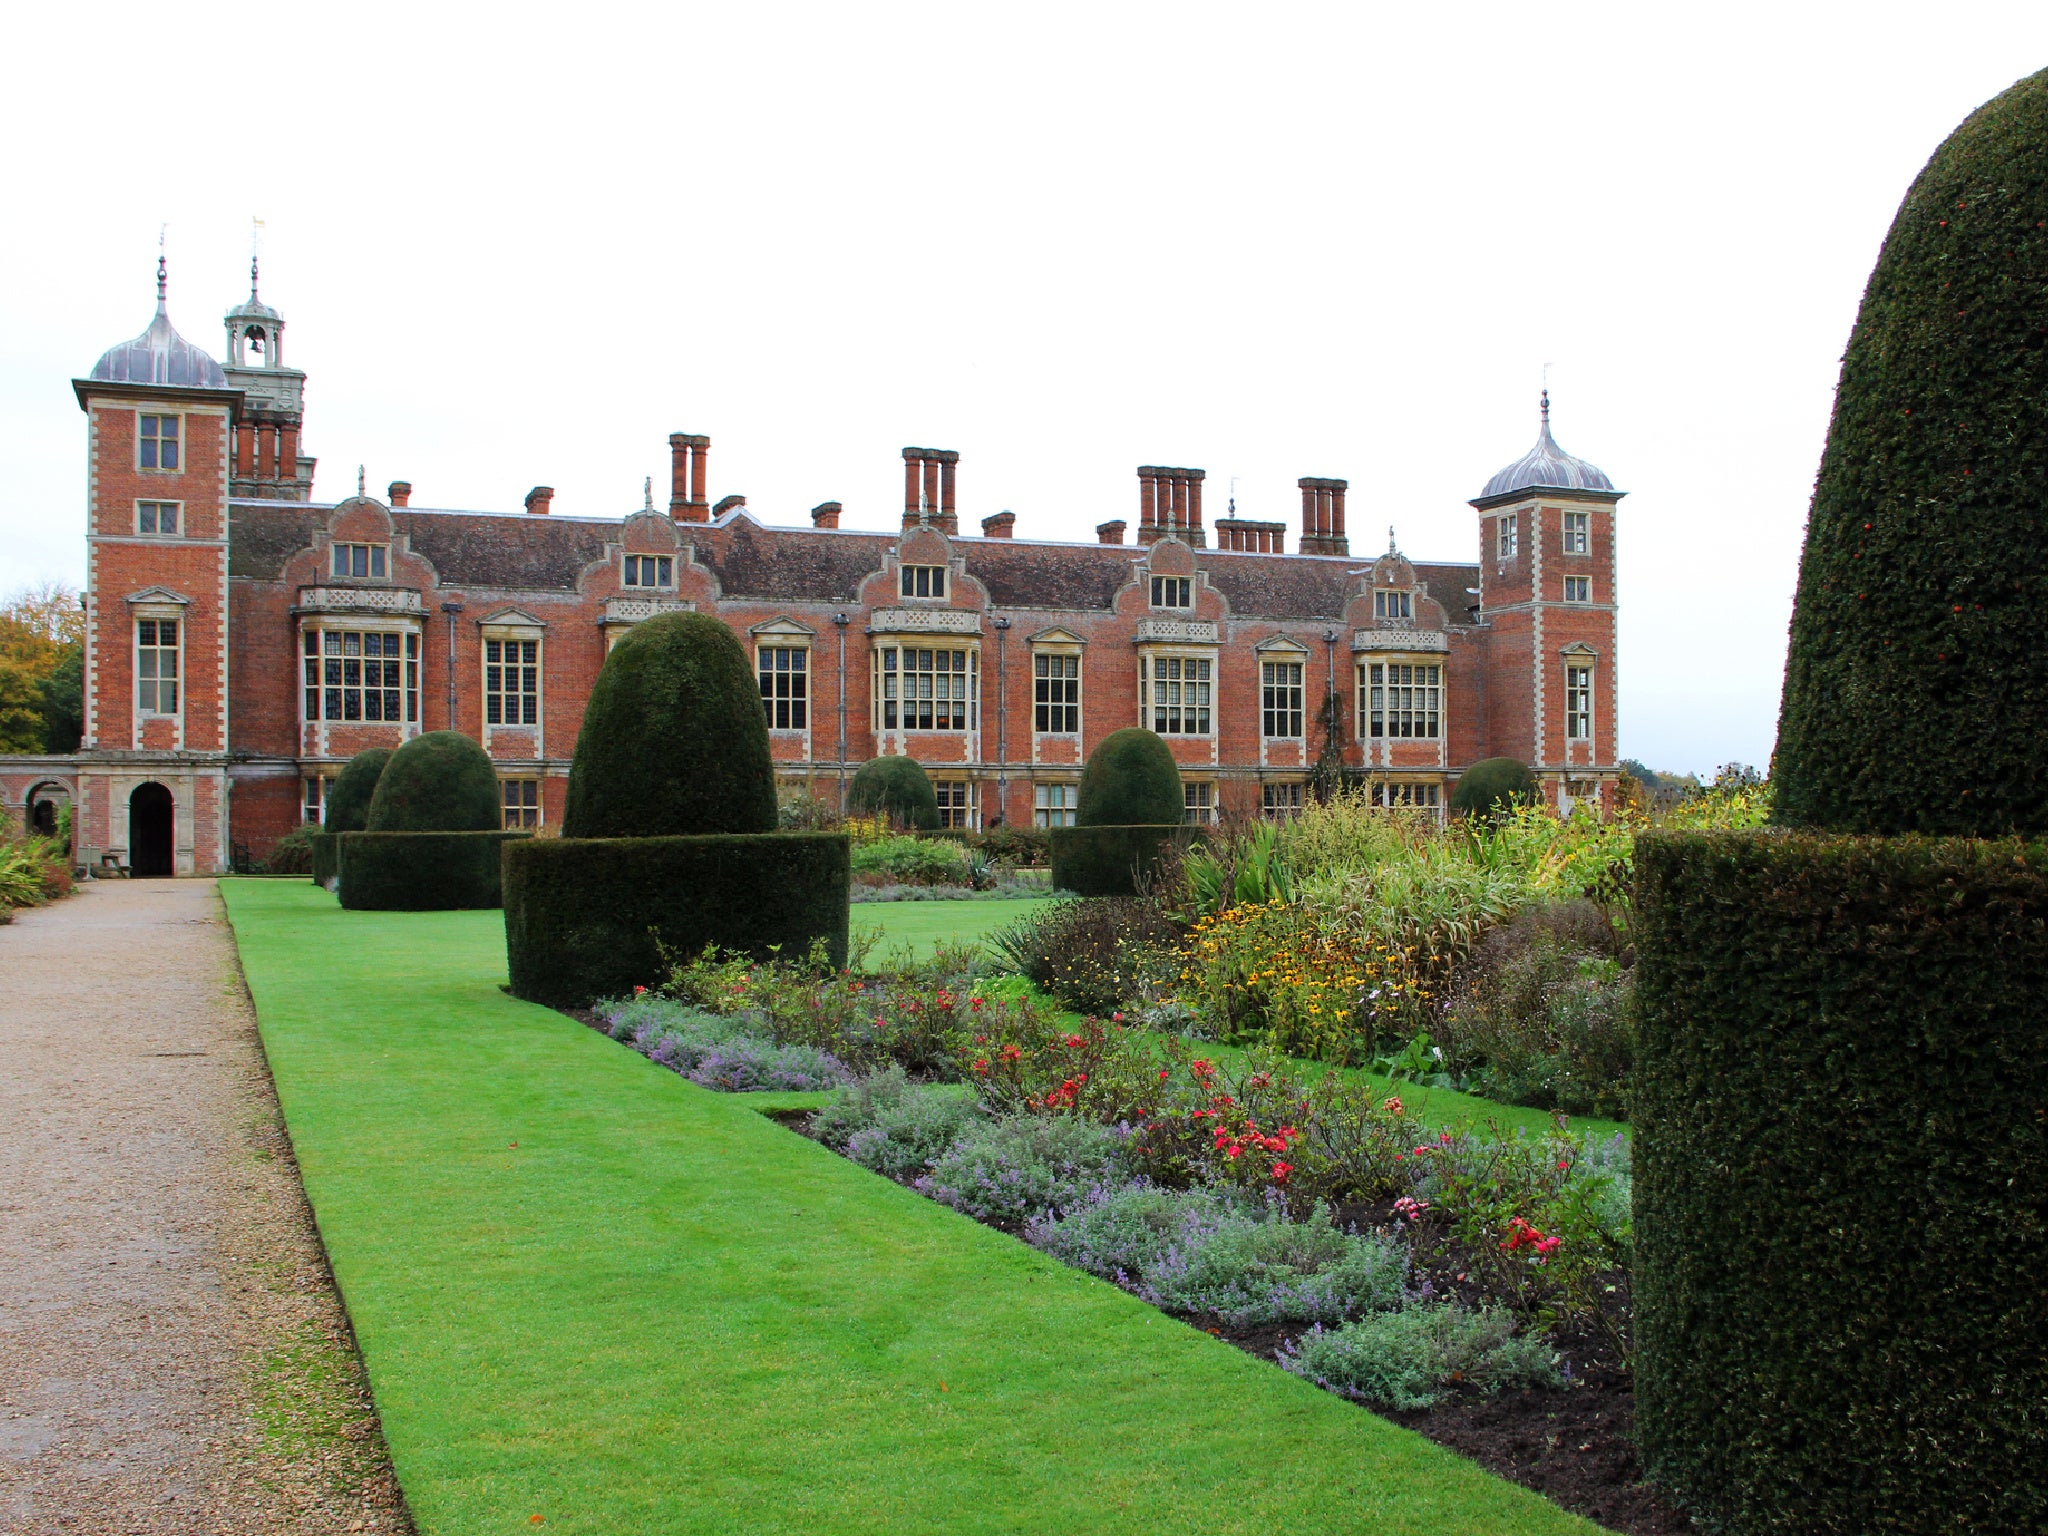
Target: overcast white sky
(520, 247)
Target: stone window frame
(502, 635)
(1580, 718)
(1282, 799)
(1044, 794)
(409, 658)
(154, 515)
(1507, 537)
(1408, 794)
(521, 806)
(1198, 802)
(956, 803)
(1362, 693)
(1396, 603)
(156, 439)
(1576, 533)
(1173, 594)
(785, 635)
(314, 790)
(630, 572)
(156, 616)
(880, 673)
(376, 561)
(1065, 646)
(933, 578)
(1578, 590)
(1149, 711)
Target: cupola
(159, 355)
(1546, 467)
(255, 331)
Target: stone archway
(45, 807)
(151, 818)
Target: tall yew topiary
(1916, 689)
(1493, 785)
(898, 788)
(1131, 780)
(674, 741)
(1841, 1166)
(348, 802)
(439, 782)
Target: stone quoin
(244, 641)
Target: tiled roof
(263, 535)
(1066, 577)
(527, 554)
(787, 564)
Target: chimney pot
(1001, 526)
(726, 504)
(400, 493)
(825, 515)
(1110, 532)
(539, 499)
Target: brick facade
(401, 613)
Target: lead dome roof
(159, 356)
(1546, 467)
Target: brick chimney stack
(1002, 526)
(1251, 538)
(1170, 502)
(928, 488)
(688, 452)
(400, 493)
(825, 515)
(726, 504)
(1322, 517)
(1110, 532)
(539, 499)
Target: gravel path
(173, 1357)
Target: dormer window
(360, 562)
(157, 442)
(1393, 605)
(1578, 533)
(1172, 592)
(650, 571)
(924, 581)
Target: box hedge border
(1113, 860)
(421, 871)
(1841, 1185)
(586, 918)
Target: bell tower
(267, 462)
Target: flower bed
(1472, 1282)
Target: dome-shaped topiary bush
(674, 741)
(348, 802)
(1916, 687)
(439, 782)
(898, 788)
(1131, 780)
(1491, 785)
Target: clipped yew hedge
(1841, 1181)
(587, 918)
(1113, 861)
(421, 871)
(1131, 780)
(1916, 685)
(439, 782)
(1492, 785)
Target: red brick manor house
(244, 640)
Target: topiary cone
(1916, 685)
(674, 740)
(898, 788)
(439, 782)
(348, 802)
(1491, 785)
(1131, 780)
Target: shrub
(589, 917)
(439, 782)
(892, 1126)
(1252, 1268)
(292, 854)
(1544, 1015)
(1017, 847)
(324, 858)
(1407, 1359)
(1092, 956)
(1916, 600)
(1004, 1172)
(912, 861)
(1842, 1180)
(1131, 780)
(674, 743)
(1115, 861)
(422, 871)
(718, 1051)
(348, 799)
(1121, 1233)
(1491, 786)
(896, 789)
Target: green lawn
(590, 1291)
(922, 924)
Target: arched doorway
(149, 832)
(47, 803)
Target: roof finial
(1390, 540)
(160, 274)
(648, 505)
(1233, 496)
(359, 479)
(1546, 406)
